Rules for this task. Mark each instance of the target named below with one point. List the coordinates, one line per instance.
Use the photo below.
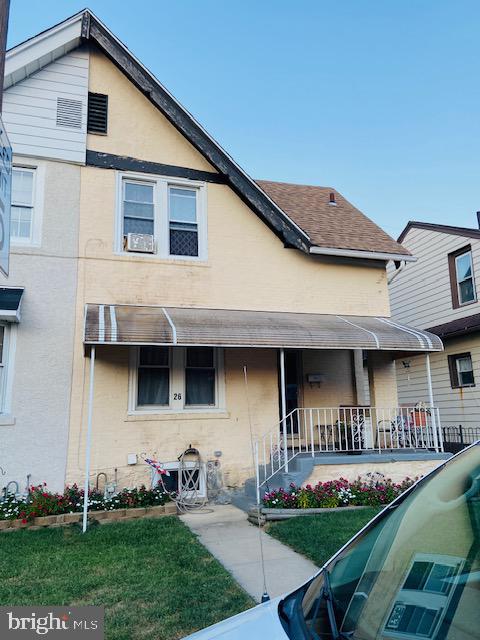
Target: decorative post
(430, 399)
(283, 401)
(89, 438)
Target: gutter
(367, 255)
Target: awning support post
(283, 405)
(89, 438)
(430, 399)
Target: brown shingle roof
(340, 226)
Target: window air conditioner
(140, 242)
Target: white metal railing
(345, 429)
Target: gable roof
(305, 230)
(440, 228)
(339, 225)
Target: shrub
(374, 489)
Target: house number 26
(177, 396)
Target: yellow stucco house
(247, 319)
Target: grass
(153, 576)
(319, 537)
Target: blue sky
(377, 98)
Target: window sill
(148, 257)
(214, 414)
(7, 420)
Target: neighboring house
(439, 293)
(207, 305)
(44, 111)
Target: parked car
(412, 572)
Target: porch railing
(345, 429)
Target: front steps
(301, 467)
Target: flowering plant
(374, 489)
(41, 502)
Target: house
(207, 310)
(439, 293)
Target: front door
(293, 384)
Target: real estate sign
(5, 198)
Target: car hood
(261, 622)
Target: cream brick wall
(382, 379)
(247, 268)
(116, 433)
(337, 387)
(397, 471)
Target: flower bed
(39, 502)
(372, 490)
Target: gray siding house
(44, 111)
(440, 293)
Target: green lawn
(318, 537)
(153, 576)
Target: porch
(344, 436)
(295, 386)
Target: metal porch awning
(155, 325)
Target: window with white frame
(183, 226)
(138, 207)
(170, 210)
(23, 184)
(4, 365)
(176, 379)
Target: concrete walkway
(227, 534)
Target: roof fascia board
(182, 120)
(440, 228)
(66, 34)
(356, 253)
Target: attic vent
(97, 113)
(69, 113)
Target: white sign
(5, 198)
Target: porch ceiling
(149, 325)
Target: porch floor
(388, 455)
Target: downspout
(396, 272)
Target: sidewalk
(235, 543)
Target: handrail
(311, 430)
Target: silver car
(413, 572)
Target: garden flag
(157, 466)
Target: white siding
(30, 110)
(420, 295)
(457, 406)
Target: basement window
(97, 119)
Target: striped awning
(141, 325)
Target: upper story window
(167, 217)
(462, 280)
(21, 225)
(183, 227)
(138, 208)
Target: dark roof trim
(441, 228)
(183, 121)
(125, 163)
(458, 327)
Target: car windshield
(413, 574)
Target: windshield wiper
(327, 596)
